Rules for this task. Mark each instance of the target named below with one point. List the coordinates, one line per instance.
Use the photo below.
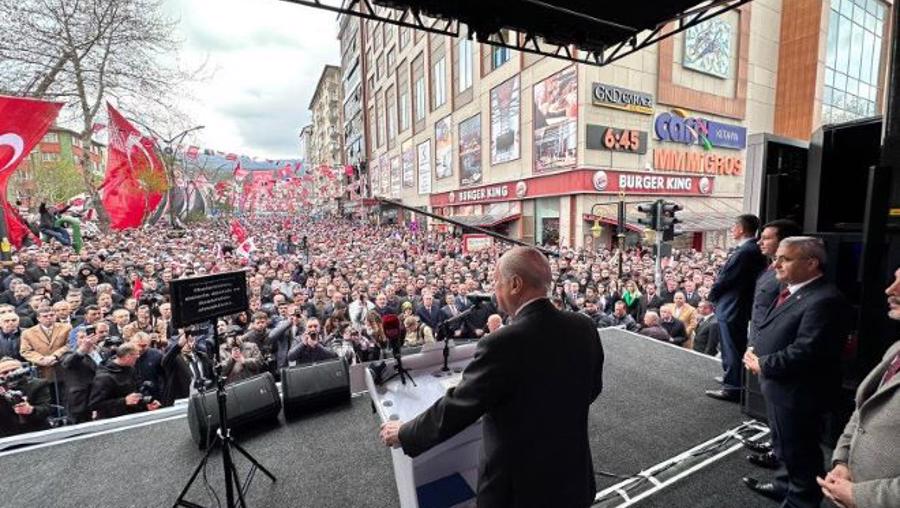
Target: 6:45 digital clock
(601, 137)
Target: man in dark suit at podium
(535, 406)
(797, 355)
(733, 296)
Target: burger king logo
(601, 180)
(521, 189)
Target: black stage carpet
(652, 408)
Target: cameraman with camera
(79, 369)
(24, 400)
(113, 392)
(307, 349)
(240, 359)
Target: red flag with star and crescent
(23, 122)
(132, 164)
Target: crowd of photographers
(89, 335)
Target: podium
(446, 475)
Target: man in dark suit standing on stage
(733, 296)
(523, 397)
(797, 355)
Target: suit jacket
(692, 299)
(676, 330)
(687, 316)
(799, 347)
(706, 338)
(872, 437)
(37, 344)
(733, 291)
(766, 292)
(520, 396)
(79, 371)
(431, 316)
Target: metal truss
(405, 14)
(408, 16)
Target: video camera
(12, 383)
(146, 391)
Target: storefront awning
(485, 221)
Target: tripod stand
(224, 440)
(398, 366)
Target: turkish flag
(23, 122)
(238, 231)
(135, 176)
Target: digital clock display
(601, 137)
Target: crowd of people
(96, 325)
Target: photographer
(149, 365)
(113, 390)
(24, 400)
(307, 348)
(240, 360)
(146, 323)
(184, 369)
(79, 368)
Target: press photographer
(24, 400)
(240, 359)
(308, 349)
(79, 368)
(114, 391)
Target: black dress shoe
(727, 395)
(758, 446)
(719, 379)
(765, 460)
(765, 489)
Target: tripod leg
(180, 501)
(253, 461)
(237, 483)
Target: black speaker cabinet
(248, 401)
(309, 387)
(753, 404)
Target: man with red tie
(797, 355)
(866, 465)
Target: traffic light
(667, 219)
(651, 215)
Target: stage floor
(652, 408)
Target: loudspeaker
(309, 387)
(775, 180)
(840, 156)
(248, 401)
(753, 404)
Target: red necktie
(782, 296)
(892, 370)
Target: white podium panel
(397, 401)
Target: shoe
(765, 489)
(719, 379)
(764, 460)
(758, 446)
(726, 395)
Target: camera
(146, 391)
(113, 342)
(90, 330)
(17, 376)
(13, 397)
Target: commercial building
(540, 148)
(326, 141)
(305, 142)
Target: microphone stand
(398, 365)
(443, 333)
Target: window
(465, 64)
(420, 98)
(403, 95)
(379, 68)
(499, 56)
(439, 82)
(50, 157)
(390, 59)
(51, 137)
(391, 114)
(853, 60)
(404, 36)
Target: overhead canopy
(601, 31)
(485, 221)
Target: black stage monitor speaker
(753, 404)
(249, 401)
(308, 387)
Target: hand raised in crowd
(86, 343)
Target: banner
(395, 177)
(556, 121)
(443, 149)
(424, 163)
(409, 168)
(385, 175)
(470, 151)
(23, 122)
(505, 121)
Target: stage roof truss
(529, 32)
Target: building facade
(540, 148)
(59, 147)
(326, 144)
(305, 142)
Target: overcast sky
(267, 56)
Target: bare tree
(86, 52)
